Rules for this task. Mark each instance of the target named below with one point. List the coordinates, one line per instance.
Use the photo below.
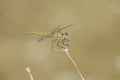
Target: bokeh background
(94, 44)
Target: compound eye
(66, 34)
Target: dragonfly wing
(42, 37)
(66, 26)
(57, 28)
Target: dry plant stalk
(29, 73)
(70, 57)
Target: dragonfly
(62, 38)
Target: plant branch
(70, 57)
(29, 72)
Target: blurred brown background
(95, 39)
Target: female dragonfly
(61, 38)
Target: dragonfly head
(66, 37)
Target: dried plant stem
(29, 72)
(68, 54)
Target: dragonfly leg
(64, 43)
(52, 44)
(58, 44)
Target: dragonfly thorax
(58, 34)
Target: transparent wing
(42, 37)
(66, 26)
(57, 28)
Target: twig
(70, 57)
(29, 72)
